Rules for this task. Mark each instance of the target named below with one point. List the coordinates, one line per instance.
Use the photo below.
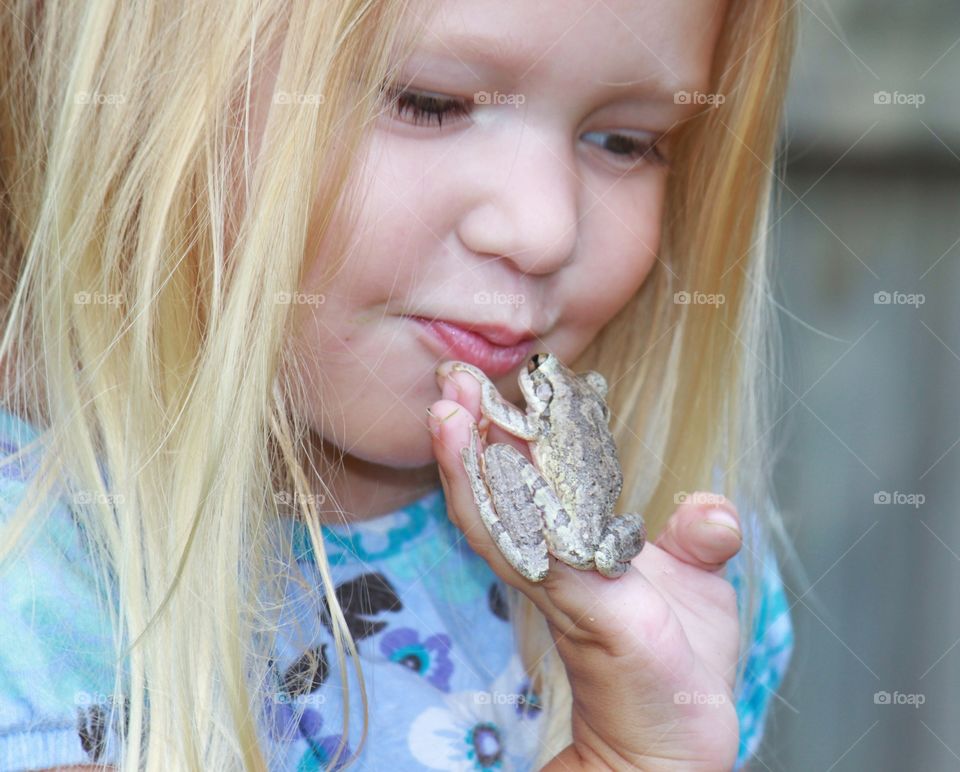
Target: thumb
(704, 535)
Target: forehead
(668, 43)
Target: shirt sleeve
(55, 680)
(767, 660)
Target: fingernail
(434, 421)
(443, 369)
(722, 518)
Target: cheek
(391, 235)
(624, 239)
(365, 379)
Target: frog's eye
(536, 360)
(606, 414)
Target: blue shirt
(446, 688)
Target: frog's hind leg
(622, 540)
(519, 534)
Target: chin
(399, 444)
(411, 452)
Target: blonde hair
(119, 126)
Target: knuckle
(722, 593)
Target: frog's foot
(622, 539)
(518, 534)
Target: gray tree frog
(564, 504)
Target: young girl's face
(539, 210)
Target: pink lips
(454, 342)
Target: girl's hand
(651, 655)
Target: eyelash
(424, 109)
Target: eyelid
(399, 90)
(425, 106)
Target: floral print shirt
(445, 686)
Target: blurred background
(868, 274)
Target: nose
(526, 211)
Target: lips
(495, 350)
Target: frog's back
(579, 455)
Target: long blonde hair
(141, 332)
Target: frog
(561, 504)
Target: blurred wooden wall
(871, 204)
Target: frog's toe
(610, 568)
(622, 541)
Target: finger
(460, 387)
(704, 535)
(450, 424)
(463, 388)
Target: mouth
(493, 348)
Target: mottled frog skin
(564, 503)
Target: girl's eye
(426, 109)
(632, 148)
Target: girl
(239, 238)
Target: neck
(365, 490)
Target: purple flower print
(430, 658)
(286, 726)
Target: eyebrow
(504, 55)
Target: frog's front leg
(510, 503)
(597, 382)
(508, 417)
(621, 540)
